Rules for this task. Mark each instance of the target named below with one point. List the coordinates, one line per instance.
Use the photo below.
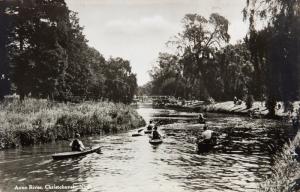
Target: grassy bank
(229, 107)
(39, 121)
(285, 172)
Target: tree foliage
(281, 49)
(206, 65)
(48, 56)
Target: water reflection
(131, 164)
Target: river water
(131, 164)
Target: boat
(206, 146)
(71, 154)
(155, 141)
(136, 134)
(148, 131)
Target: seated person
(150, 126)
(155, 134)
(201, 118)
(208, 136)
(76, 144)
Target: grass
(285, 170)
(40, 121)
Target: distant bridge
(146, 98)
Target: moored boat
(71, 154)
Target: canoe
(206, 146)
(136, 134)
(155, 141)
(71, 154)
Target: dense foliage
(276, 47)
(205, 65)
(46, 56)
(264, 65)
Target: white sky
(137, 30)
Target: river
(131, 164)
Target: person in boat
(207, 136)
(201, 118)
(150, 126)
(76, 144)
(155, 134)
(235, 100)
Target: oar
(140, 130)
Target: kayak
(206, 146)
(65, 155)
(155, 141)
(136, 134)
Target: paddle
(140, 130)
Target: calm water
(131, 164)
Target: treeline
(262, 66)
(47, 56)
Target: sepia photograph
(149, 95)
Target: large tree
(282, 46)
(37, 58)
(198, 42)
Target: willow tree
(198, 42)
(282, 50)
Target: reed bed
(285, 171)
(39, 120)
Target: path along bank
(35, 121)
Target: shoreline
(228, 107)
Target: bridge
(150, 98)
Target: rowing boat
(155, 141)
(65, 155)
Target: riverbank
(39, 121)
(285, 175)
(258, 109)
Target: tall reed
(39, 120)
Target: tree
(4, 68)
(34, 38)
(198, 43)
(120, 82)
(282, 51)
(167, 76)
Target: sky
(137, 30)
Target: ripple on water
(132, 164)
